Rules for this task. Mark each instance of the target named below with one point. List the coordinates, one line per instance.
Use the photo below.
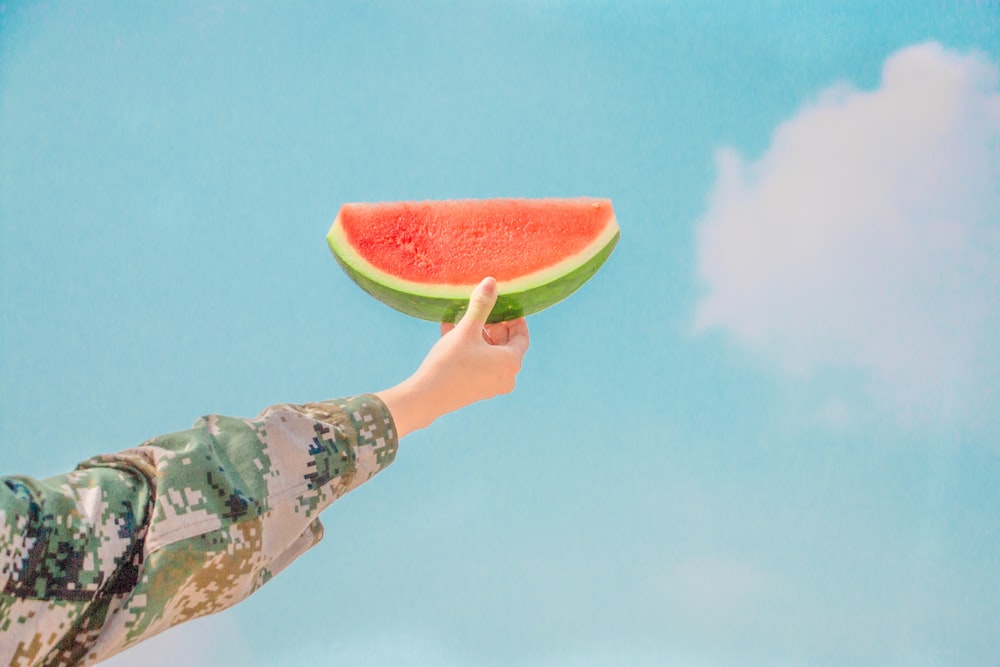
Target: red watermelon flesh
(425, 257)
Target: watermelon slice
(425, 258)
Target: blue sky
(764, 434)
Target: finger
(517, 335)
(497, 333)
(483, 298)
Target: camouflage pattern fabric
(185, 525)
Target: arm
(190, 523)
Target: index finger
(518, 337)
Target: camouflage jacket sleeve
(182, 526)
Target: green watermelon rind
(526, 299)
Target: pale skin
(472, 361)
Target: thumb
(483, 298)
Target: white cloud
(868, 236)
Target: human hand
(472, 361)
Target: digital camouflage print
(185, 525)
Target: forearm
(416, 404)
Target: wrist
(411, 404)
